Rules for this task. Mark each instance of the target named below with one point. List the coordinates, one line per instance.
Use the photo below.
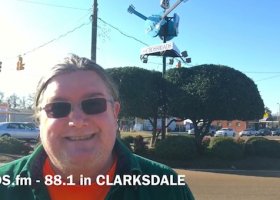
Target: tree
(30, 101)
(140, 93)
(22, 102)
(1, 97)
(267, 110)
(213, 92)
(14, 101)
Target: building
(236, 125)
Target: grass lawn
(145, 134)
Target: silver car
(19, 130)
(248, 132)
(275, 132)
(225, 132)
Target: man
(77, 107)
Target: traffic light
(20, 64)
(179, 64)
(0, 66)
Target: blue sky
(244, 35)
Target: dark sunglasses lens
(94, 106)
(58, 109)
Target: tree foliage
(18, 102)
(1, 97)
(213, 92)
(140, 93)
(14, 101)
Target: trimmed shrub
(139, 145)
(135, 144)
(13, 146)
(260, 146)
(240, 140)
(127, 141)
(226, 148)
(206, 141)
(176, 148)
(250, 144)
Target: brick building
(236, 125)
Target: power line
(261, 72)
(121, 32)
(132, 37)
(264, 79)
(52, 5)
(268, 78)
(57, 38)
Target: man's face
(78, 140)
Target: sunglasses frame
(48, 107)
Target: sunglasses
(91, 106)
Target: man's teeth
(76, 138)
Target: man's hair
(73, 63)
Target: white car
(191, 131)
(225, 132)
(248, 132)
(19, 130)
(211, 131)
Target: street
(233, 184)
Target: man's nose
(77, 118)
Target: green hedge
(127, 141)
(226, 148)
(139, 145)
(176, 148)
(13, 146)
(260, 146)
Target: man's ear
(117, 108)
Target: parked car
(212, 130)
(248, 132)
(275, 132)
(263, 132)
(191, 131)
(225, 132)
(19, 130)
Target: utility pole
(164, 113)
(94, 31)
(166, 28)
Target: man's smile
(80, 138)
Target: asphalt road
(233, 184)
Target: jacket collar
(127, 162)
